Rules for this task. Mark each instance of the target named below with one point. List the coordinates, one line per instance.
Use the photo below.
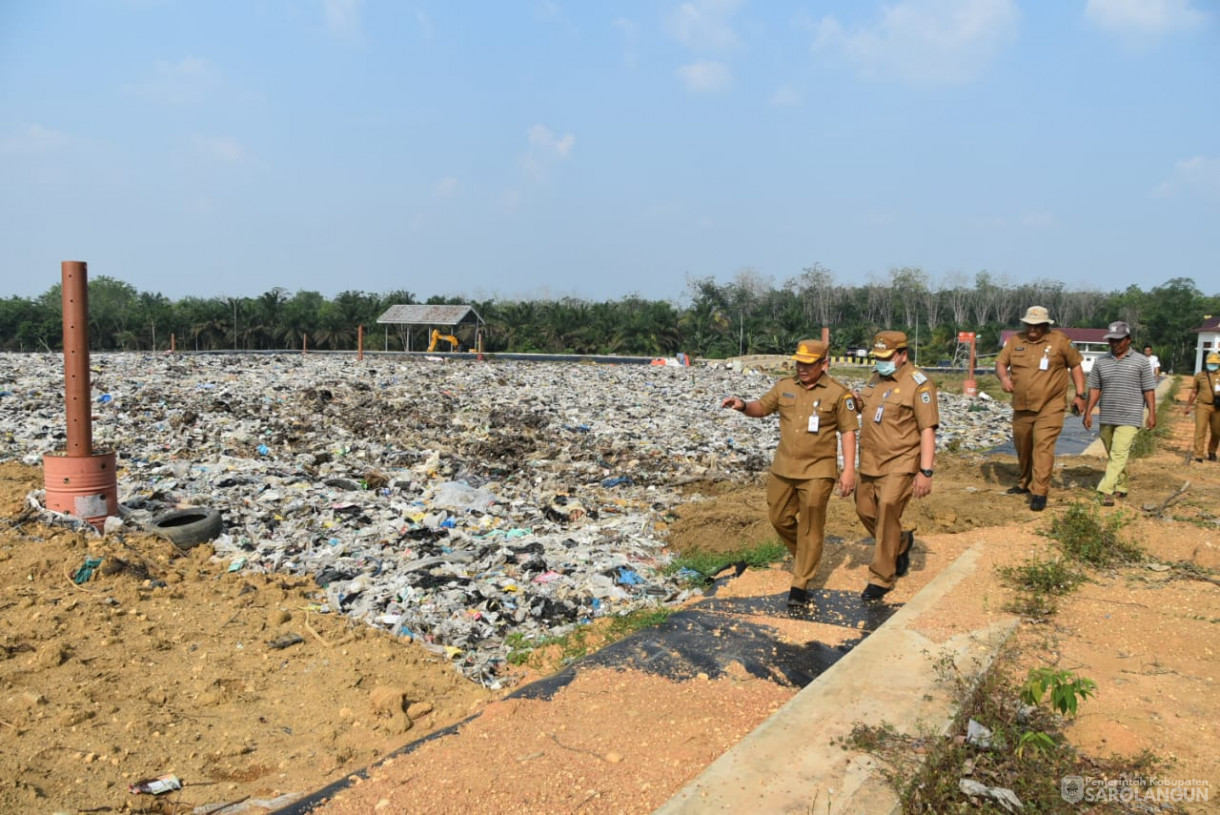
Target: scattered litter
(453, 504)
(977, 734)
(155, 786)
(85, 571)
(285, 640)
(1006, 797)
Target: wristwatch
(928, 473)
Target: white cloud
(542, 136)
(343, 16)
(925, 41)
(181, 83)
(706, 77)
(1144, 17)
(704, 25)
(221, 148)
(1198, 176)
(447, 187)
(33, 139)
(786, 97)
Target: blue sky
(600, 149)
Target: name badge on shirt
(813, 418)
(1044, 364)
(877, 415)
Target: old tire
(188, 527)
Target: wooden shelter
(430, 317)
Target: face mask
(885, 367)
(1213, 367)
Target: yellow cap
(809, 351)
(888, 343)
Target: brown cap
(1213, 358)
(810, 351)
(887, 343)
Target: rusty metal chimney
(78, 481)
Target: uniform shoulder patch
(850, 403)
(925, 397)
(919, 377)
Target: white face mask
(885, 367)
(1213, 367)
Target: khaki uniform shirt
(1208, 386)
(809, 449)
(1036, 387)
(893, 413)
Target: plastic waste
(155, 786)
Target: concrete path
(792, 763)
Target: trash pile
(457, 503)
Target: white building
(1209, 340)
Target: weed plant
(1085, 535)
(1028, 753)
(1038, 583)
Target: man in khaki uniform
(1033, 366)
(814, 412)
(898, 421)
(1204, 396)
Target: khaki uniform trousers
(797, 510)
(1117, 439)
(1034, 433)
(880, 501)
(1207, 419)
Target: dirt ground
(169, 663)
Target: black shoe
(1017, 491)
(797, 598)
(873, 592)
(902, 564)
(1198, 461)
(1037, 503)
(1211, 456)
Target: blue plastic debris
(618, 481)
(263, 449)
(627, 577)
(104, 398)
(85, 572)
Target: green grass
(708, 563)
(1146, 441)
(584, 640)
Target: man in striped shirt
(1124, 385)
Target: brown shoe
(1107, 500)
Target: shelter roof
(431, 315)
(1209, 324)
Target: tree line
(748, 315)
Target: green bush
(1086, 536)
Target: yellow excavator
(437, 336)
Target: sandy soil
(167, 662)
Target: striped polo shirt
(1122, 383)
